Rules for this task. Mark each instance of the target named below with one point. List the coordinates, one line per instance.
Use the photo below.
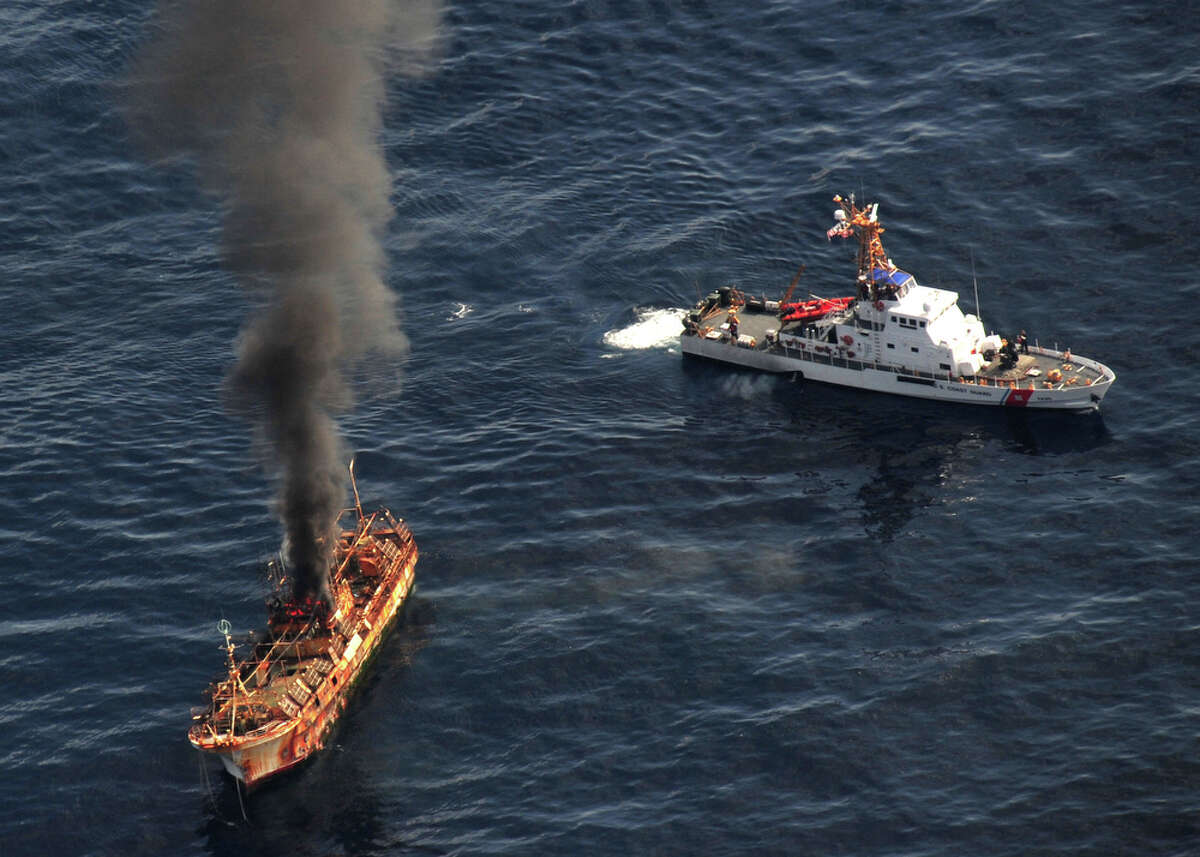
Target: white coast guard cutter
(893, 335)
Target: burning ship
(278, 703)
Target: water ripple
(664, 607)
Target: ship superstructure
(892, 335)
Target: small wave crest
(651, 328)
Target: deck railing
(859, 365)
(981, 380)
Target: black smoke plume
(277, 103)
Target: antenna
(354, 485)
(224, 628)
(978, 314)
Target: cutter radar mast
(873, 262)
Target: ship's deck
(1031, 369)
(752, 323)
(1038, 368)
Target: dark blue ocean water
(664, 608)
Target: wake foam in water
(747, 387)
(652, 328)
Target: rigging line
(237, 784)
(207, 783)
(212, 799)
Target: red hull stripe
(1018, 398)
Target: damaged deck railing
(231, 693)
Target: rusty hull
(277, 707)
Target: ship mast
(787, 296)
(873, 261)
(354, 485)
(234, 682)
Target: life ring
(879, 305)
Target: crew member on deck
(1023, 342)
(1008, 355)
(733, 327)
